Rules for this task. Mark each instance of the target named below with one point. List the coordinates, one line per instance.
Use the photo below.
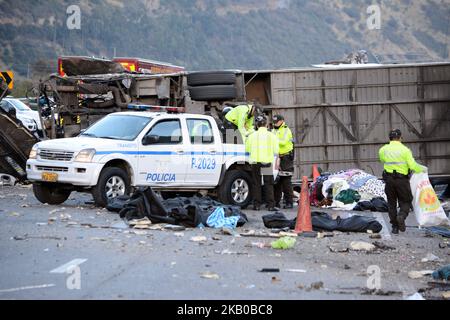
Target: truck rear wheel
(50, 193)
(236, 188)
(113, 182)
(213, 93)
(208, 78)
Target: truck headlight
(85, 155)
(33, 152)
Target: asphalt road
(37, 242)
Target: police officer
(398, 162)
(241, 118)
(263, 148)
(286, 149)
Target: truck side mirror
(150, 139)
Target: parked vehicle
(168, 151)
(29, 118)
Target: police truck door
(205, 161)
(162, 155)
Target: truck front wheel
(50, 193)
(113, 182)
(236, 188)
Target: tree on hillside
(42, 68)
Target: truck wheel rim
(239, 190)
(115, 186)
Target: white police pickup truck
(168, 151)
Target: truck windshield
(118, 127)
(19, 105)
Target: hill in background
(216, 34)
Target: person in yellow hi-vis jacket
(263, 147)
(241, 118)
(283, 184)
(398, 161)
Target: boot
(401, 223)
(394, 230)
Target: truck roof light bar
(146, 107)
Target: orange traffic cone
(303, 223)
(315, 172)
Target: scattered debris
(40, 224)
(15, 214)
(99, 239)
(443, 273)
(139, 232)
(275, 279)
(321, 235)
(259, 245)
(419, 274)
(444, 245)
(375, 236)
(156, 227)
(347, 267)
(278, 230)
(264, 234)
(65, 217)
(284, 243)
(173, 227)
(210, 275)
(430, 258)
(382, 246)
(446, 295)
(378, 292)
(338, 248)
(179, 234)
(143, 223)
(227, 231)
(289, 234)
(296, 270)
(227, 251)
(440, 285)
(415, 296)
(199, 239)
(56, 210)
(316, 286)
(361, 246)
(26, 237)
(119, 225)
(270, 270)
(216, 238)
(307, 234)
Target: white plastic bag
(426, 205)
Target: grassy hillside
(211, 34)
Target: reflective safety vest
(239, 117)
(284, 135)
(262, 146)
(398, 157)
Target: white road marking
(28, 288)
(65, 268)
(385, 234)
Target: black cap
(261, 120)
(277, 118)
(395, 134)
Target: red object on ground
(316, 173)
(303, 223)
